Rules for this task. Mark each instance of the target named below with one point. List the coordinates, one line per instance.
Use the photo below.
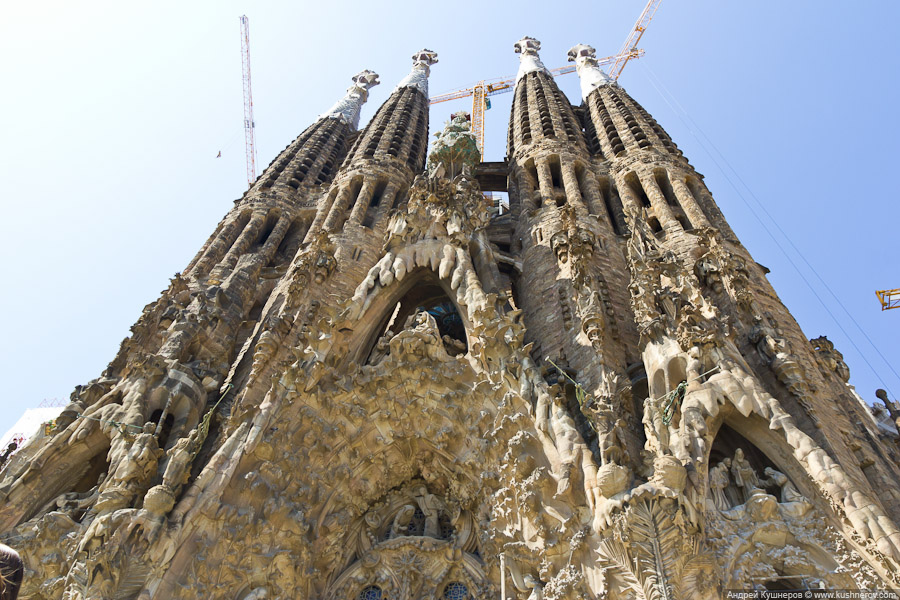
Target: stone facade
(370, 384)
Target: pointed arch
(395, 304)
(768, 448)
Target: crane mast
(249, 125)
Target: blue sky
(114, 113)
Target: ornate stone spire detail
(418, 76)
(529, 61)
(348, 107)
(585, 58)
(455, 147)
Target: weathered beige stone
(370, 385)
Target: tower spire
(348, 107)
(585, 59)
(421, 69)
(529, 61)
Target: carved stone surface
(368, 384)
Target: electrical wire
(693, 125)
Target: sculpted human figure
(537, 589)
(431, 507)
(611, 439)
(718, 481)
(382, 348)
(180, 457)
(401, 521)
(745, 476)
(789, 492)
(765, 337)
(135, 472)
(425, 339)
(656, 431)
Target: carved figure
(536, 587)
(789, 492)
(259, 593)
(718, 481)
(656, 431)
(180, 457)
(744, 474)
(611, 438)
(401, 522)
(431, 506)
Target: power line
(691, 125)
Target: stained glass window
(456, 591)
(370, 592)
(417, 523)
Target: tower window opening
(634, 184)
(531, 169)
(656, 228)
(372, 210)
(355, 188)
(543, 109)
(665, 186)
(524, 117)
(694, 187)
(697, 192)
(266, 231)
(399, 198)
(290, 243)
(555, 172)
(581, 177)
(683, 221)
(606, 195)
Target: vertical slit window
(634, 184)
(665, 186)
(372, 210)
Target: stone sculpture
(290, 419)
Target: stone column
(274, 240)
(246, 239)
(661, 208)
(362, 202)
(545, 182)
(341, 204)
(570, 182)
(688, 203)
(219, 246)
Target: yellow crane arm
(481, 90)
(889, 298)
(634, 37)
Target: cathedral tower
(370, 384)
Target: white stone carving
(348, 107)
(585, 58)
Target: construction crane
(889, 298)
(249, 124)
(483, 89)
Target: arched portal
(424, 292)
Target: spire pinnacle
(585, 58)
(348, 107)
(529, 61)
(418, 76)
